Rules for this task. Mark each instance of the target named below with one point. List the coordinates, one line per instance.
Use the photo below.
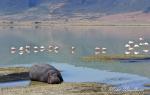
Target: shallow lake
(85, 39)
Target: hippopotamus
(45, 73)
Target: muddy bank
(14, 77)
(66, 88)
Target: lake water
(85, 39)
(15, 84)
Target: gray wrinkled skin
(45, 73)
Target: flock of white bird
(99, 50)
(28, 49)
(132, 47)
(137, 47)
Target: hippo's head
(54, 77)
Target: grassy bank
(118, 57)
(10, 70)
(39, 88)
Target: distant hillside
(54, 9)
(8, 7)
(147, 10)
(103, 6)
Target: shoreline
(38, 88)
(86, 88)
(70, 23)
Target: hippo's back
(40, 70)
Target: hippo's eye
(52, 73)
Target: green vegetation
(10, 70)
(38, 88)
(113, 57)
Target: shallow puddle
(15, 84)
(126, 81)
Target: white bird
(72, 50)
(145, 51)
(21, 50)
(131, 42)
(50, 48)
(104, 48)
(96, 53)
(136, 53)
(127, 52)
(42, 48)
(140, 44)
(103, 52)
(35, 49)
(13, 50)
(127, 45)
(27, 49)
(140, 38)
(21, 53)
(27, 46)
(97, 50)
(136, 45)
(130, 48)
(56, 48)
(146, 43)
